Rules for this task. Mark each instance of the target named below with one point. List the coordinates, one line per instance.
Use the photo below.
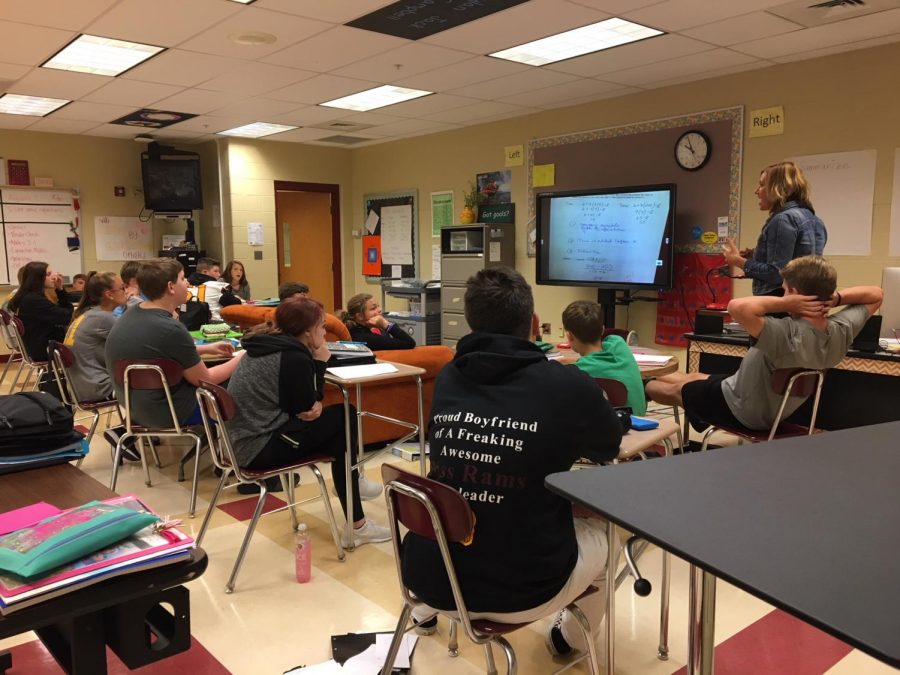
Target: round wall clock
(692, 150)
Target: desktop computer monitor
(890, 307)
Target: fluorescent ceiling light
(378, 97)
(592, 38)
(257, 130)
(19, 104)
(100, 55)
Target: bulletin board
(390, 244)
(643, 154)
(39, 224)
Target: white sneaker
(369, 533)
(368, 489)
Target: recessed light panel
(18, 104)
(577, 42)
(101, 56)
(257, 130)
(379, 97)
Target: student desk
(77, 627)
(569, 356)
(862, 389)
(356, 383)
(807, 524)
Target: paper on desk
(349, 372)
(651, 359)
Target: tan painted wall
(253, 166)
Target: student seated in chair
(292, 289)
(503, 417)
(149, 331)
(367, 324)
(807, 338)
(133, 293)
(205, 285)
(608, 357)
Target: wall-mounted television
(611, 238)
(171, 182)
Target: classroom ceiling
(315, 57)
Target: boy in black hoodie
(503, 417)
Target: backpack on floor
(33, 421)
(194, 313)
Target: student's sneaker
(556, 643)
(369, 533)
(427, 627)
(368, 489)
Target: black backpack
(33, 421)
(194, 314)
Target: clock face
(692, 150)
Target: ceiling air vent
(343, 126)
(810, 13)
(343, 140)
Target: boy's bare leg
(667, 389)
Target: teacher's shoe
(369, 533)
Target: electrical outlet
(562, 332)
(545, 329)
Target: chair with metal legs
(218, 407)
(16, 329)
(440, 513)
(12, 344)
(788, 382)
(146, 375)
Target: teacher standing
(792, 230)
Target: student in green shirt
(610, 357)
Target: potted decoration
(471, 199)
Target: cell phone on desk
(643, 424)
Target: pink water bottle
(303, 559)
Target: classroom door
(308, 235)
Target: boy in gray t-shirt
(807, 338)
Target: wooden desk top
(568, 356)
(403, 370)
(62, 485)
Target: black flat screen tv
(612, 238)
(171, 183)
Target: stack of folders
(153, 546)
(76, 449)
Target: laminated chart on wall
(390, 244)
(40, 225)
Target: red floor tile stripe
(32, 658)
(778, 644)
(242, 509)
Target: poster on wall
(842, 186)
(441, 211)
(496, 186)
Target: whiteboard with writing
(38, 225)
(122, 238)
(842, 192)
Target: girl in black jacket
(43, 320)
(366, 324)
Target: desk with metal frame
(356, 383)
(121, 612)
(807, 524)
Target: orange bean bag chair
(393, 398)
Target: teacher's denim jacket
(793, 232)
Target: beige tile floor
(271, 623)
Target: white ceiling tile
(10, 72)
(407, 128)
(94, 112)
(335, 11)
(116, 131)
(593, 98)
(205, 124)
(164, 23)
(321, 88)
(482, 109)
(550, 96)
(300, 135)
(428, 105)
(131, 92)
(17, 121)
(744, 28)
(336, 47)
(186, 69)
(286, 28)
(195, 101)
(259, 108)
(55, 125)
(832, 34)
(676, 15)
(652, 50)
(370, 118)
(714, 72)
(255, 78)
(404, 61)
(529, 80)
(693, 64)
(837, 49)
(308, 116)
(475, 69)
(30, 45)
(64, 14)
(58, 83)
(616, 7)
(516, 25)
